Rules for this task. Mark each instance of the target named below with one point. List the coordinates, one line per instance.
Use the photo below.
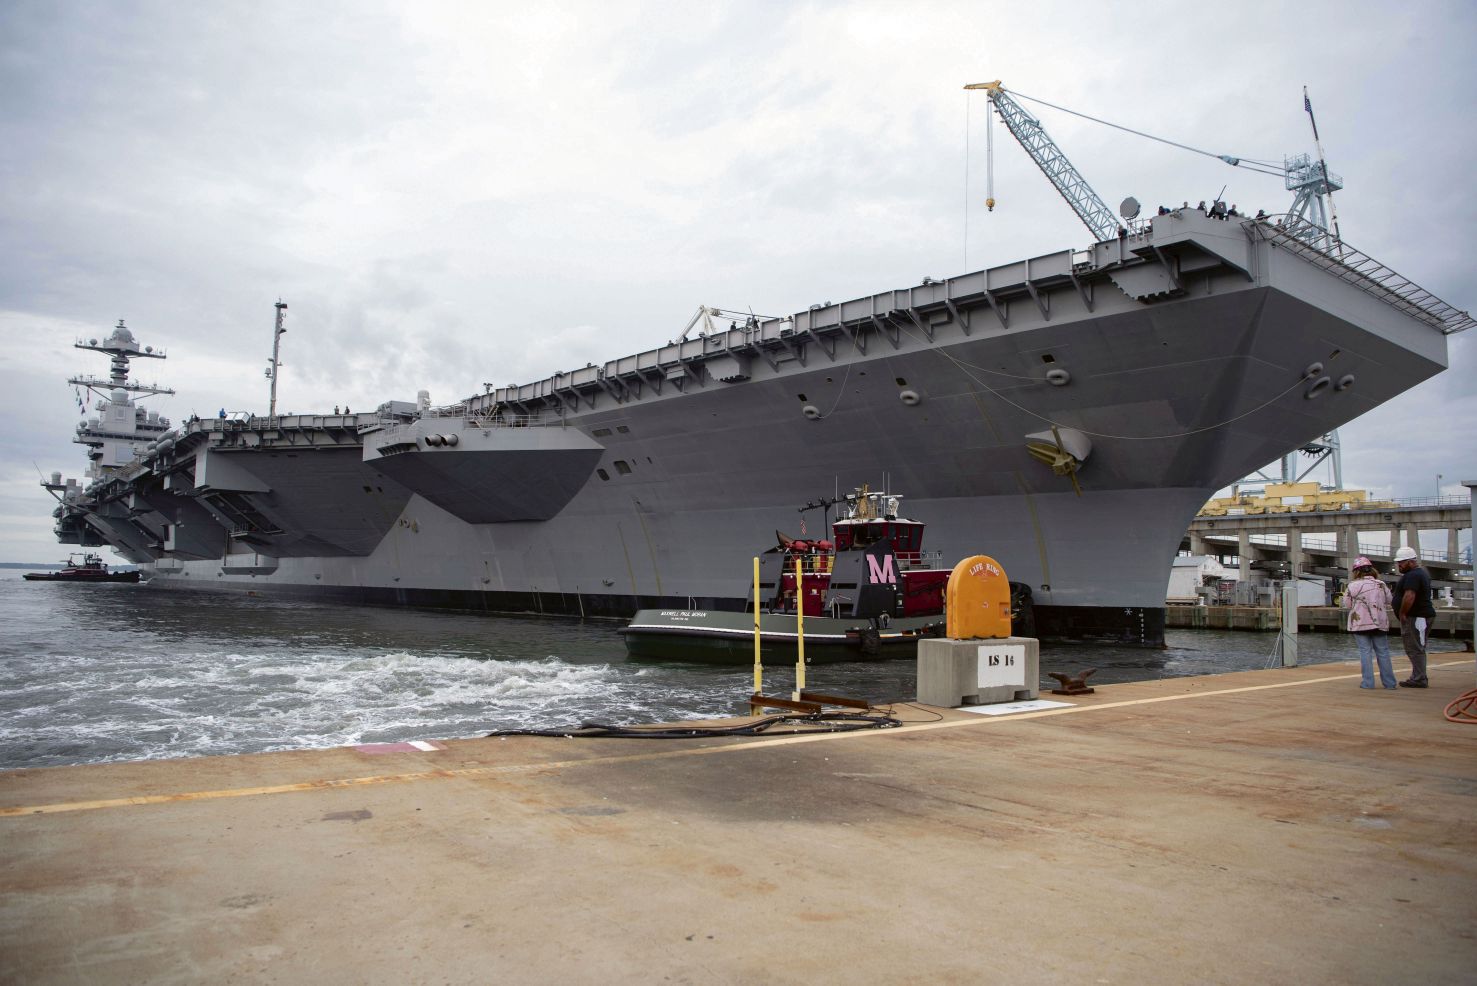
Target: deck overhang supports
(1169, 271)
(608, 385)
(1043, 300)
(890, 331)
(829, 350)
(924, 326)
(1084, 290)
(1000, 307)
(961, 317)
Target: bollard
(1287, 637)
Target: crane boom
(1100, 220)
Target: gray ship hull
(1192, 353)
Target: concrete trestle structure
(1246, 537)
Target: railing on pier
(1366, 506)
(1430, 501)
(1326, 546)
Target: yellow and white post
(758, 664)
(799, 629)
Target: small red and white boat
(89, 569)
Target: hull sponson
(324, 501)
(491, 475)
(1187, 356)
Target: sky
(453, 194)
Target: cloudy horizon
(447, 195)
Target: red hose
(1461, 708)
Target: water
(94, 673)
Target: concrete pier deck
(1268, 826)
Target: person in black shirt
(1413, 603)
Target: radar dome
(119, 396)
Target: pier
(1283, 536)
(1266, 826)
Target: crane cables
(1251, 164)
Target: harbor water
(96, 673)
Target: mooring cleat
(1073, 686)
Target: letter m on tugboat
(879, 573)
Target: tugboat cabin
(874, 565)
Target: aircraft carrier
(1066, 414)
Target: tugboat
(89, 569)
(869, 592)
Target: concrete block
(952, 673)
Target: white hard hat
(1406, 554)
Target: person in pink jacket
(1368, 601)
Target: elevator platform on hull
(489, 469)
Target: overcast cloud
(452, 194)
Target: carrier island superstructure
(1066, 414)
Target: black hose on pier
(820, 722)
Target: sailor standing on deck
(1413, 602)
